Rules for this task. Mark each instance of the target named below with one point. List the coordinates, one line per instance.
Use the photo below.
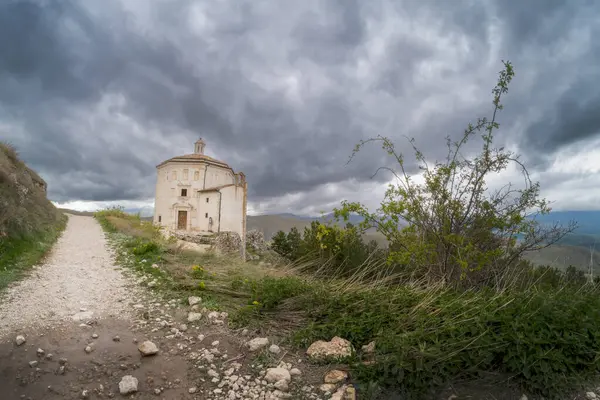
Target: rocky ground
(80, 327)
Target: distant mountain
(354, 219)
(269, 224)
(588, 221)
(143, 211)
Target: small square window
(183, 192)
(206, 215)
(159, 218)
(207, 199)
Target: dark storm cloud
(574, 117)
(96, 95)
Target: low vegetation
(174, 270)
(29, 222)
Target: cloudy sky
(95, 93)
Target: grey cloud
(103, 94)
(573, 118)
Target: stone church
(195, 192)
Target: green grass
(18, 255)
(545, 338)
(29, 222)
(181, 273)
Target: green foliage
(458, 231)
(145, 248)
(343, 249)
(17, 255)
(281, 244)
(547, 337)
(289, 245)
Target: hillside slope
(561, 256)
(271, 224)
(29, 222)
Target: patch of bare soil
(66, 371)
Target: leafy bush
(145, 248)
(458, 231)
(343, 249)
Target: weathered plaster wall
(194, 177)
(232, 209)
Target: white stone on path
(277, 374)
(257, 343)
(148, 348)
(194, 316)
(128, 384)
(193, 300)
(274, 349)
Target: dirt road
(83, 319)
(79, 298)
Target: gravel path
(78, 281)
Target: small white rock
(20, 340)
(194, 316)
(148, 348)
(591, 395)
(95, 335)
(274, 349)
(192, 390)
(295, 372)
(128, 384)
(193, 300)
(281, 385)
(40, 352)
(212, 373)
(277, 374)
(257, 343)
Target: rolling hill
(561, 256)
(271, 224)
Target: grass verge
(175, 271)
(29, 222)
(18, 254)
